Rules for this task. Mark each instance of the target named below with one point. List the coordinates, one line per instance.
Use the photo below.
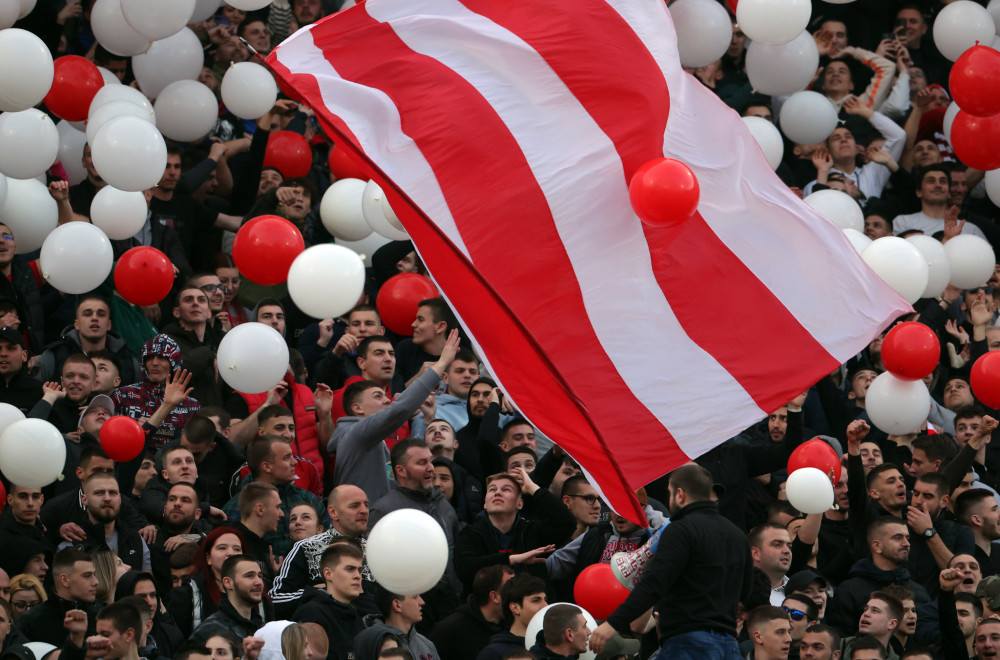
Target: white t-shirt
(928, 225)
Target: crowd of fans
(240, 530)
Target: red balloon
(344, 166)
(144, 276)
(976, 140)
(289, 153)
(122, 439)
(975, 81)
(265, 248)
(817, 454)
(399, 298)
(598, 591)
(74, 86)
(911, 350)
(985, 379)
(3, 496)
(664, 192)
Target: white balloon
(9, 10)
(837, 207)
(29, 143)
(535, 627)
(186, 110)
(366, 247)
(972, 261)
(785, 69)
(703, 31)
(178, 57)
(76, 257)
(204, 10)
(993, 186)
(3, 189)
(27, 71)
(809, 490)
(994, 9)
(895, 405)
(27, 6)
(938, 264)
(22, 444)
(390, 215)
(114, 93)
(8, 415)
(113, 32)
(249, 5)
(857, 239)
(118, 213)
(248, 90)
(773, 22)
(768, 139)
(129, 153)
(157, 20)
(900, 265)
(341, 212)
(419, 568)
(30, 212)
(807, 117)
(949, 118)
(371, 204)
(960, 25)
(109, 78)
(252, 358)
(326, 281)
(109, 111)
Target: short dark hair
(895, 607)
(64, 560)
(78, 358)
(105, 354)
(876, 526)
(89, 452)
(332, 555)
(122, 616)
(199, 430)
(259, 451)
(251, 494)
(367, 342)
(969, 412)
(573, 484)
(464, 355)
(763, 614)
(967, 501)
(824, 629)
(353, 392)
(215, 411)
(384, 598)
(487, 580)
(938, 480)
(899, 592)
(397, 455)
(864, 643)
(191, 648)
(440, 312)
(516, 589)
(183, 555)
(694, 480)
(920, 172)
(878, 470)
(937, 446)
(521, 449)
(229, 566)
(810, 607)
(395, 652)
(757, 533)
(558, 619)
(975, 601)
(272, 411)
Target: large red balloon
(598, 591)
(911, 350)
(817, 454)
(344, 166)
(265, 248)
(74, 85)
(985, 379)
(975, 81)
(976, 140)
(399, 298)
(289, 153)
(122, 439)
(144, 276)
(664, 192)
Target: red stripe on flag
(417, 84)
(692, 266)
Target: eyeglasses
(211, 288)
(589, 499)
(795, 615)
(24, 606)
(7, 237)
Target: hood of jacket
(369, 641)
(164, 346)
(866, 568)
(474, 421)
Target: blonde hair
(106, 571)
(293, 642)
(28, 582)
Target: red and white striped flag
(506, 134)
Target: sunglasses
(795, 615)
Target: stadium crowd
(240, 530)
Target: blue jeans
(700, 645)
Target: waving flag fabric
(505, 134)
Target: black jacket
(131, 547)
(464, 633)
(340, 621)
(848, 602)
(702, 569)
(44, 622)
(500, 645)
(67, 508)
(481, 544)
(227, 618)
(22, 392)
(23, 290)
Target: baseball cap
(99, 401)
(989, 590)
(12, 335)
(803, 579)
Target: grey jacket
(421, 647)
(359, 442)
